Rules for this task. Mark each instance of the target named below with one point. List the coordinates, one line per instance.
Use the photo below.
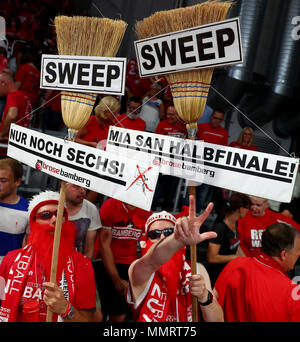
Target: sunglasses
(156, 233)
(48, 214)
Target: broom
(189, 88)
(80, 36)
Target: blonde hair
(107, 103)
(240, 138)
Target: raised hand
(187, 229)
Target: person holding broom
(160, 282)
(26, 271)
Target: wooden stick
(56, 241)
(192, 129)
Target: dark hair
(15, 166)
(135, 99)
(278, 237)
(235, 202)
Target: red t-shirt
(124, 122)
(165, 128)
(95, 132)
(250, 229)
(257, 290)
(212, 135)
(126, 225)
(17, 99)
(237, 145)
(29, 77)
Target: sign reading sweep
(203, 46)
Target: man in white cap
(27, 271)
(161, 284)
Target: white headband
(160, 216)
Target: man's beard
(42, 242)
(171, 271)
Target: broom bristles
(85, 36)
(189, 88)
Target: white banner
(203, 46)
(254, 173)
(104, 75)
(115, 176)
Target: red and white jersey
(126, 225)
(250, 229)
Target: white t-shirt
(86, 219)
(150, 113)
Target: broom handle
(56, 241)
(192, 129)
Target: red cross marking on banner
(142, 178)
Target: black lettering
(208, 153)
(66, 72)
(41, 144)
(237, 159)
(114, 135)
(113, 72)
(80, 157)
(96, 74)
(253, 163)
(48, 147)
(49, 68)
(281, 166)
(139, 140)
(184, 49)
(219, 154)
(87, 160)
(222, 42)
(82, 73)
(33, 142)
(144, 52)
(101, 163)
(264, 166)
(165, 51)
(202, 46)
(71, 154)
(113, 170)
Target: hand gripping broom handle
(192, 130)
(56, 242)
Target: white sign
(115, 176)
(204, 46)
(104, 75)
(254, 173)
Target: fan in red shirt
(131, 119)
(245, 140)
(258, 218)
(167, 185)
(95, 131)
(116, 244)
(17, 107)
(258, 289)
(212, 132)
(28, 77)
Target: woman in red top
(94, 133)
(245, 140)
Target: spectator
(52, 116)
(17, 107)
(161, 284)
(84, 215)
(245, 140)
(27, 270)
(210, 132)
(224, 247)
(135, 85)
(258, 289)
(122, 226)
(13, 207)
(28, 76)
(166, 187)
(153, 110)
(131, 119)
(259, 217)
(95, 132)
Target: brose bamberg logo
(42, 166)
